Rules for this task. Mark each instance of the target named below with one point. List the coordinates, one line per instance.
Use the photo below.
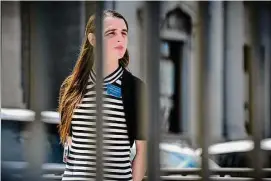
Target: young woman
(77, 108)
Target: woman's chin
(120, 56)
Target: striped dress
(82, 155)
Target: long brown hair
(73, 87)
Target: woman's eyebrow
(109, 30)
(125, 30)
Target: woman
(77, 108)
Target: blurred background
(51, 34)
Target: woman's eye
(124, 33)
(110, 33)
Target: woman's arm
(67, 149)
(139, 162)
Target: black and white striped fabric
(81, 159)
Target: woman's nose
(119, 37)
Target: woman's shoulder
(129, 78)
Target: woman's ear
(91, 39)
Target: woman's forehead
(114, 23)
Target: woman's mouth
(119, 47)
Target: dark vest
(133, 92)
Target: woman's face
(115, 38)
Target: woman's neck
(109, 67)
